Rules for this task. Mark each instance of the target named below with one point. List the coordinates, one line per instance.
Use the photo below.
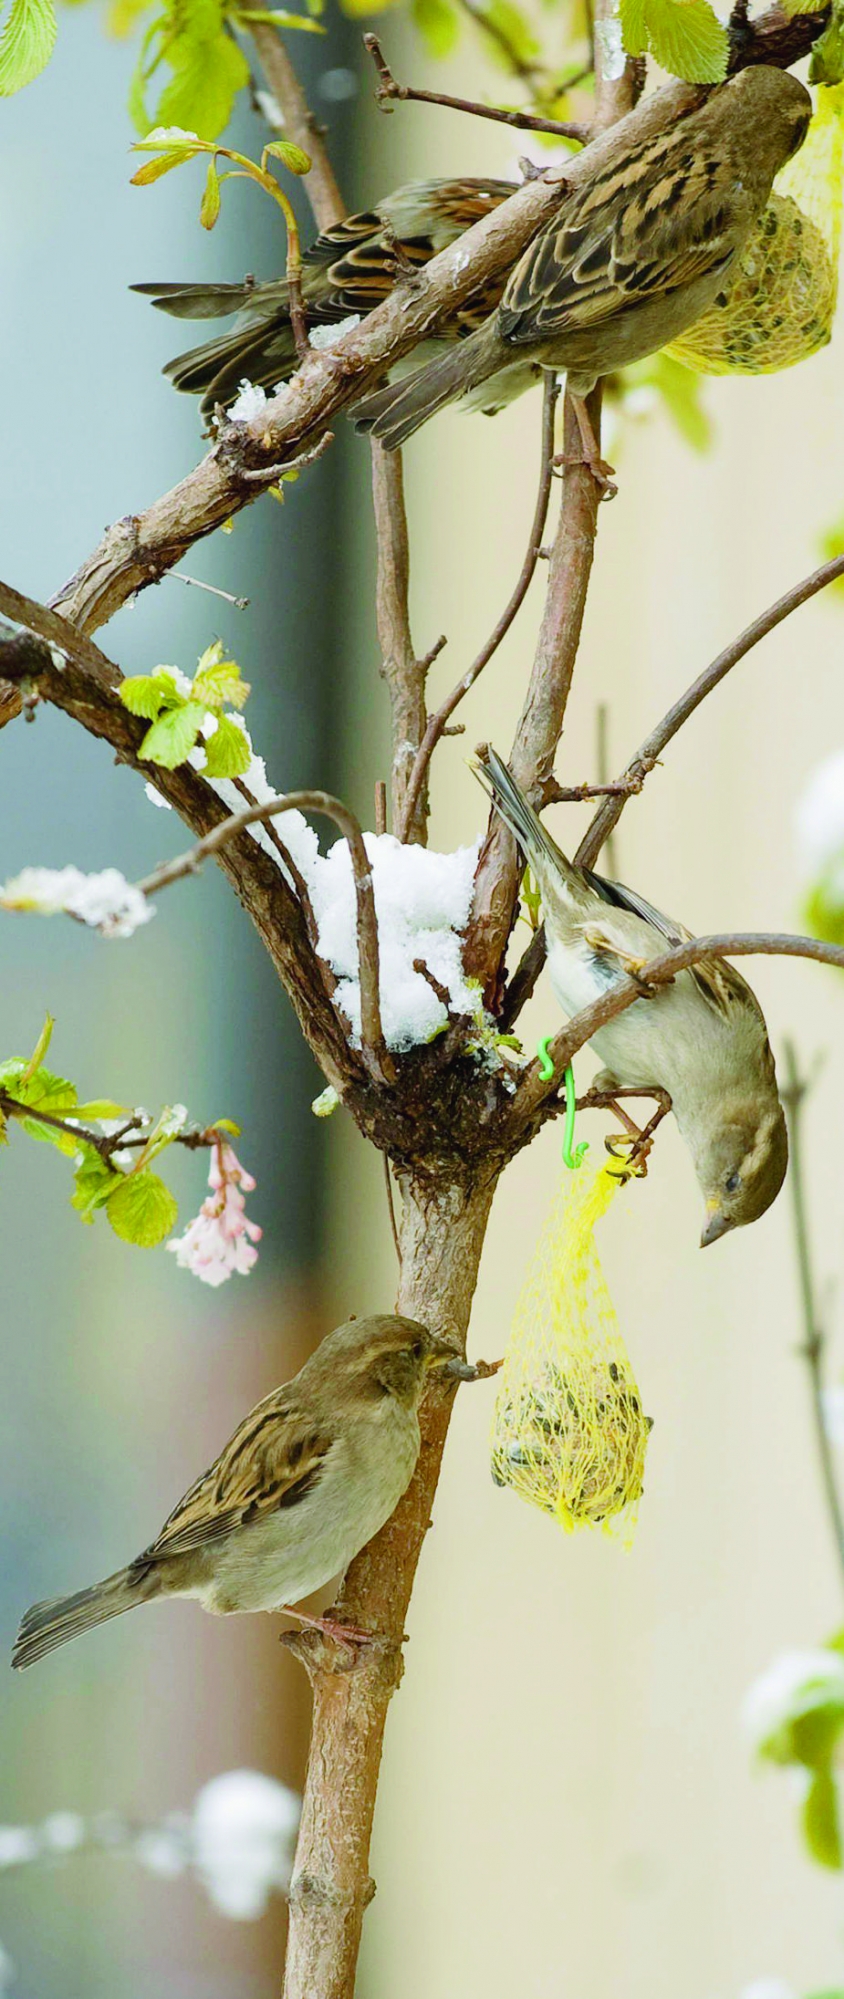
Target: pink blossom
(221, 1239)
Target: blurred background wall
(567, 1809)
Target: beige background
(567, 1804)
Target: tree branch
(389, 91)
(372, 1036)
(793, 1093)
(540, 725)
(300, 124)
(404, 674)
(137, 550)
(533, 1092)
(437, 722)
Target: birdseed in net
(779, 304)
(569, 1435)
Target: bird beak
(715, 1225)
(443, 1357)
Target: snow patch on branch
(104, 901)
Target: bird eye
(417, 1349)
(734, 1183)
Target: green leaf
(94, 1181)
(172, 737)
(820, 1820)
(826, 64)
(438, 23)
(41, 1046)
(209, 69)
(226, 1124)
(26, 43)
(99, 1108)
(836, 1993)
(141, 1209)
(685, 36)
(153, 169)
(295, 160)
(791, 7)
(210, 204)
(217, 680)
(227, 752)
(44, 1091)
(145, 694)
(823, 911)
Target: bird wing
(363, 256)
(717, 981)
(646, 227)
(276, 1456)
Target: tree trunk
(442, 1232)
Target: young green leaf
(210, 204)
(145, 694)
(791, 7)
(209, 69)
(217, 680)
(141, 1209)
(99, 1108)
(153, 169)
(26, 43)
(172, 737)
(43, 1091)
(820, 1820)
(41, 1046)
(439, 25)
(685, 36)
(227, 752)
(93, 1182)
(292, 157)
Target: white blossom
(243, 1829)
(248, 403)
(106, 901)
(328, 336)
(819, 820)
(220, 1242)
(832, 1402)
(768, 1988)
(793, 1684)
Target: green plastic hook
(573, 1156)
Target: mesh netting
(569, 1435)
(780, 302)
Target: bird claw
(349, 1636)
(602, 473)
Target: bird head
(776, 110)
(740, 1165)
(387, 1355)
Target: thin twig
(105, 1143)
(437, 723)
(602, 765)
(659, 971)
(389, 90)
(372, 1035)
(793, 1093)
(391, 1208)
(646, 756)
(178, 576)
(269, 475)
(403, 672)
(300, 124)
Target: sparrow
(631, 259)
(702, 1039)
(350, 269)
(308, 1478)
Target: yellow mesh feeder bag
(569, 1435)
(780, 303)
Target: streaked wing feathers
(276, 1456)
(645, 227)
(718, 981)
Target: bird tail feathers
(510, 801)
(394, 413)
(47, 1625)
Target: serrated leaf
(93, 1182)
(439, 25)
(209, 71)
(687, 38)
(292, 157)
(209, 207)
(26, 43)
(820, 1820)
(792, 7)
(172, 737)
(217, 680)
(145, 694)
(141, 1209)
(633, 15)
(227, 752)
(43, 1091)
(153, 169)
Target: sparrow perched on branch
(307, 1479)
(702, 1038)
(633, 257)
(349, 269)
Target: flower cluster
(221, 1241)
